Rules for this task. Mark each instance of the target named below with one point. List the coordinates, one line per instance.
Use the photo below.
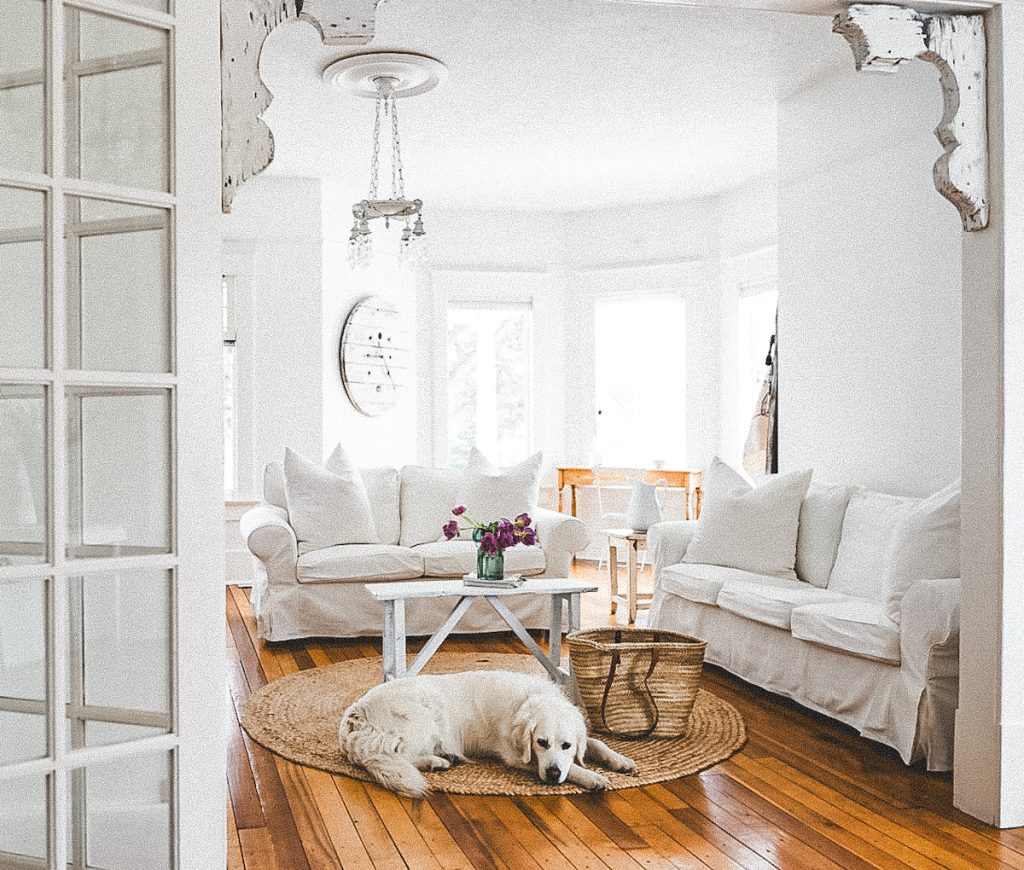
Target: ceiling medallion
(385, 76)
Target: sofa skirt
(292, 611)
(882, 701)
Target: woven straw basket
(637, 682)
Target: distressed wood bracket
(883, 36)
(247, 145)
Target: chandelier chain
(375, 162)
(397, 179)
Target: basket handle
(637, 735)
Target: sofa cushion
(771, 604)
(702, 583)
(458, 558)
(348, 563)
(868, 526)
(741, 526)
(383, 489)
(924, 546)
(489, 494)
(821, 525)
(327, 506)
(428, 496)
(852, 625)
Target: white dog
(400, 728)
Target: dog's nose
(552, 773)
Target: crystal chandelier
(412, 246)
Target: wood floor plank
(316, 842)
(757, 833)
(257, 848)
(489, 827)
(464, 834)
(570, 839)
(337, 822)
(234, 850)
(410, 843)
(373, 833)
(446, 851)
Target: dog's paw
(624, 765)
(597, 782)
(437, 763)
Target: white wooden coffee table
(394, 596)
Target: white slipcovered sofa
(320, 593)
(825, 640)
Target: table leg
(400, 637)
(613, 575)
(686, 503)
(560, 498)
(556, 673)
(633, 580)
(388, 641)
(555, 631)
(572, 488)
(574, 612)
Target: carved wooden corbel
(247, 145)
(883, 36)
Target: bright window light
(489, 373)
(640, 381)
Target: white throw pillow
(489, 494)
(925, 545)
(867, 529)
(428, 496)
(821, 526)
(750, 528)
(327, 506)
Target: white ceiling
(557, 104)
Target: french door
(108, 439)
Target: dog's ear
(581, 741)
(523, 725)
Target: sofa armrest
(930, 628)
(271, 539)
(562, 537)
(667, 543)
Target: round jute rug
(297, 717)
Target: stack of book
(509, 581)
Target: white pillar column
(989, 766)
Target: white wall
(273, 243)
(869, 268)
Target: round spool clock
(374, 355)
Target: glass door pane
(119, 474)
(116, 89)
(22, 475)
(22, 86)
(22, 670)
(22, 823)
(22, 276)
(119, 686)
(118, 286)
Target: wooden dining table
(687, 480)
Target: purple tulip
(530, 537)
(506, 538)
(523, 520)
(451, 529)
(459, 510)
(489, 543)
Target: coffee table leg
(633, 580)
(388, 641)
(393, 641)
(613, 575)
(555, 631)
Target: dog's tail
(397, 773)
(380, 753)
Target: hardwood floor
(804, 793)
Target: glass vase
(490, 567)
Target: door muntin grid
(87, 686)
